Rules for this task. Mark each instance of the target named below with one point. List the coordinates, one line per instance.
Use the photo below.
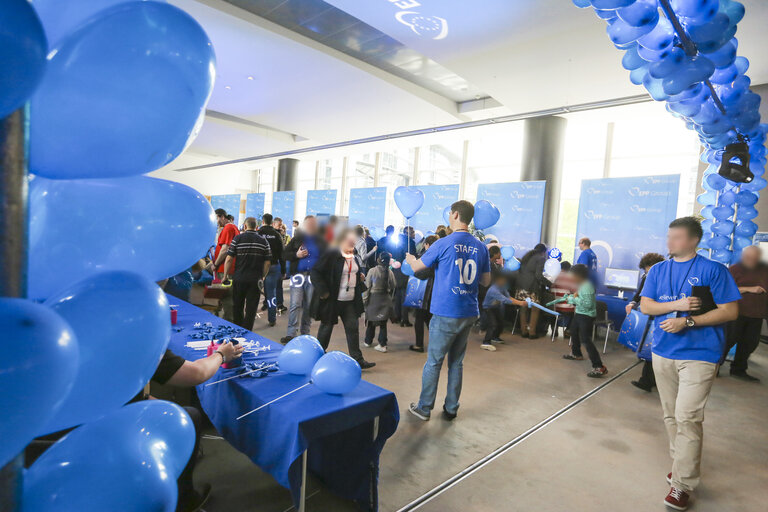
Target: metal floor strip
(433, 493)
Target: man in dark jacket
(303, 251)
(276, 270)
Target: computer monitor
(621, 278)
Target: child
(493, 305)
(380, 282)
(583, 321)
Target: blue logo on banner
(254, 205)
(522, 207)
(368, 206)
(321, 201)
(436, 198)
(230, 202)
(283, 206)
(626, 218)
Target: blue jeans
(301, 298)
(270, 291)
(447, 337)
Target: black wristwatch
(690, 322)
(223, 357)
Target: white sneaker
(367, 345)
(488, 347)
(380, 348)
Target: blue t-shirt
(459, 261)
(306, 263)
(589, 258)
(668, 281)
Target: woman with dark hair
(530, 284)
(339, 286)
(647, 380)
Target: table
(338, 438)
(616, 311)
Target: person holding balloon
(461, 265)
(584, 320)
(339, 286)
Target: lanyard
(349, 272)
(680, 289)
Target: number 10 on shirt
(467, 271)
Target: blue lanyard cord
(685, 277)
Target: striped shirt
(251, 251)
(564, 285)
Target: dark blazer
(289, 253)
(326, 278)
(428, 275)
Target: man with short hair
(588, 258)
(751, 276)
(228, 232)
(361, 246)
(277, 223)
(461, 265)
(276, 269)
(254, 258)
(303, 252)
(687, 345)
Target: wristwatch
(223, 357)
(689, 321)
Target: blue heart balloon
(639, 13)
(622, 33)
(128, 460)
(659, 39)
(123, 95)
(409, 200)
(486, 214)
(722, 255)
(724, 56)
(723, 227)
(38, 376)
(746, 198)
(23, 47)
(336, 373)
(299, 355)
(154, 227)
(122, 325)
(512, 264)
(406, 269)
(746, 228)
(610, 4)
(746, 213)
(507, 252)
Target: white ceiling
(527, 54)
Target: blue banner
(254, 205)
(321, 201)
(231, 203)
(522, 208)
(368, 206)
(436, 198)
(283, 206)
(626, 218)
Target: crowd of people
(343, 273)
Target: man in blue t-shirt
(688, 341)
(588, 258)
(461, 264)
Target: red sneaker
(669, 478)
(677, 499)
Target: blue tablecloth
(337, 430)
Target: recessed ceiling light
(250, 78)
(227, 87)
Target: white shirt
(348, 278)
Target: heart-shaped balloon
(486, 214)
(409, 200)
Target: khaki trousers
(684, 388)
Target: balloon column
(684, 53)
(122, 92)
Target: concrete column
(287, 174)
(543, 147)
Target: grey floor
(606, 453)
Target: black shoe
(264, 307)
(533, 336)
(272, 324)
(641, 385)
(524, 335)
(744, 376)
(364, 365)
(448, 416)
(282, 309)
(195, 501)
(416, 349)
(285, 339)
(406, 324)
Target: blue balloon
(707, 198)
(632, 329)
(22, 53)
(659, 39)
(740, 242)
(692, 71)
(409, 200)
(336, 373)
(36, 373)
(507, 252)
(746, 213)
(724, 75)
(716, 181)
(727, 198)
(610, 4)
(725, 56)
(406, 269)
(722, 212)
(653, 55)
(756, 185)
(377, 233)
(122, 325)
(123, 95)
(300, 354)
(555, 253)
(512, 264)
(722, 255)
(639, 13)
(699, 11)
(622, 33)
(486, 214)
(719, 242)
(746, 198)
(723, 227)
(581, 3)
(154, 227)
(712, 35)
(632, 60)
(706, 225)
(447, 215)
(734, 10)
(127, 460)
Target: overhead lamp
(735, 164)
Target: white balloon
(551, 269)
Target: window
(440, 164)
(494, 155)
